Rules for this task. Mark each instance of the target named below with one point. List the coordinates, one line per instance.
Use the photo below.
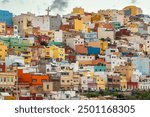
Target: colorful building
(2, 28)
(103, 46)
(93, 50)
(6, 17)
(125, 70)
(101, 84)
(34, 79)
(78, 11)
(132, 11)
(3, 51)
(55, 52)
(123, 83)
(78, 25)
(67, 79)
(8, 81)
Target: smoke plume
(5, 1)
(59, 5)
(133, 1)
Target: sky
(39, 6)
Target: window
(47, 86)
(4, 79)
(68, 81)
(48, 70)
(15, 27)
(67, 96)
(44, 80)
(34, 80)
(62, 81)
(112, 50)
(109, 79)
(12, 80)
(65, 73)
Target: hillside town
(54, 57)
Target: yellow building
(78, 11)
(101, 85)
(78, 25)
(55, 52)
(27, 57)
(96, 18)
(133, 27)
(47, 86)
(86, 28)
(133, 10)
(123, 83)
(87, 74)
(86, 18)
(103, 46)
(3, 51)
(49, 33)
(2, 28)
(67, 79)
(7, 80)
(126, 70)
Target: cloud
(59, 5)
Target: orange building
(9, 30)
(94, 44)
(32, 79)
(81, 49)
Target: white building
(144, 83)
(85, 57)
(64, 95)
(72, 42)
(117, 61)
(106, 33)
(74, 66)
(11, 59)
(84, 83)
(136, 76)
(58, 36)
(41, 21)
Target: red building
(65, 27)
(41, 38)
(70, 54)
(3, 67)
(123, 32)
(132, 85)
(9, 30)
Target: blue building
(142, 64)
(6, 16)
(99, 68)
(92, 36)
(127, 12)
(93, 50)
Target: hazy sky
(39, 6)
